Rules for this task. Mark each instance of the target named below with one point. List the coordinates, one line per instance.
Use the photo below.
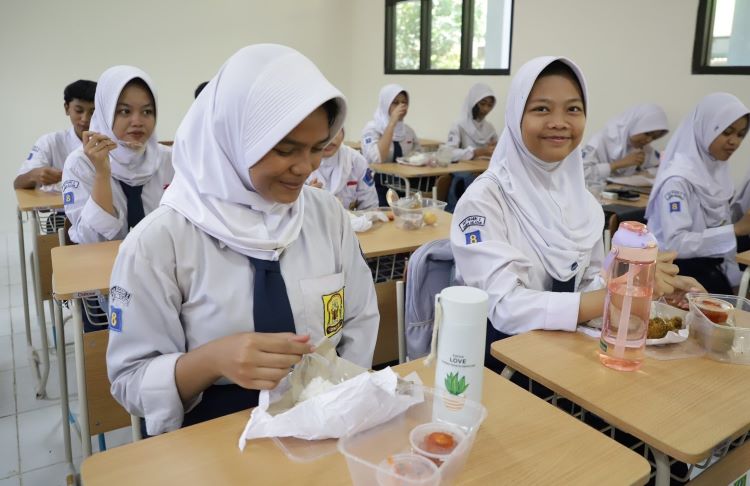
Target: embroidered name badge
(68, 198)
(674, 195)
(368, 140)
(674, 207)
(574, 266)
(351, 183)
(469, 221)
(119, 294)
(333, 312)
(368, 177)
(69, 185)
(115, 319)
(473, 237)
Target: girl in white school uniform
(344, 173)
(527, 231)
(387, 137)
(623, 147)
(224, 287)
(120, 173)
(689, 208)
(472, 136)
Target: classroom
(523, 232)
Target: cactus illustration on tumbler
(455, 385)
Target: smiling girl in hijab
(344, 173)
(472, 136)
(623, 146)
(527, 231)
(120, 173)
(243, 267)
(688, 210)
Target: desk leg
(744, 282)
(42, 354)
(507, 372)
(64, 404)
(662, 468)
(83, 406)
(25, 285)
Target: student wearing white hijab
(344, 173)
(688, 210)
(120, 173)
(623, 147)
(387, 137)
(224, 287)
(527, 231)
(472, 136)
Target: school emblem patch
(473, 237)
(333, 312)
(674, 207)
(115, 319)
(68, 198)
(368, 178)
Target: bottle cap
(634, 242)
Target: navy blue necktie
(397, 151)
(567, 286)
(271, 309)
(135, 203)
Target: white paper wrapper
(359, 401)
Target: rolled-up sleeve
(369, 145)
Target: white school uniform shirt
(492, 253)
(89, 222)
(524, 223)
(468, 134)
(612, 142)
(170, 294)
(371, 135)
(51, 150)
(347, 176)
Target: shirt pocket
(324, 299)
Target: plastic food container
(721, 325)
(370, 455)
(407, 469)
(409, 215)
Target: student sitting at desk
(623, 146)
(344, 173)
(688, 210)
(243, 267)
(527, 231)
(472, 136)
(387, 137)
(44, 165)
(120, 173)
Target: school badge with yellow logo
(333, 312)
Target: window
(448, 36)
(722, 37)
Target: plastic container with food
(410, 214)
(371, 455)
(721, 325)
(666, 325)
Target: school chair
(442, 186)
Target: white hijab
(133, 167)
(687, 156)
(259, 95)
(613, 141)
(335, 170)
(481, 132)
(381, 117)
(560, 219)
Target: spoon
(392, 197)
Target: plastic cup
(406, 470)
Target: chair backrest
(431, 269)
(105, 413)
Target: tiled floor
(31, 439)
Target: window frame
(701, 45)
(467, 39)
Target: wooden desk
(387, 239)
(428, 145)
(401, 176)
(33, 201)
(78, 271)
(744, 259)
(524, 440)
(682, 408)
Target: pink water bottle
(629, 272)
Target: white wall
(46, 44)
(631, 51)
